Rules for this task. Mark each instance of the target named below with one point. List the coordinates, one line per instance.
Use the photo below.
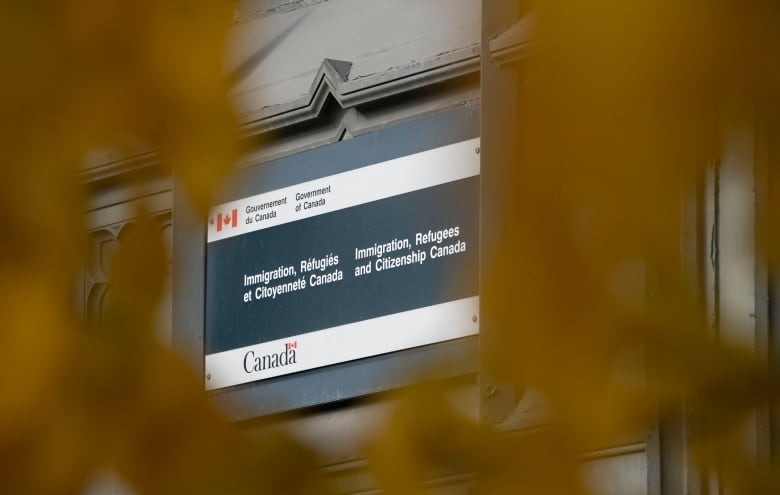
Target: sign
(377, 259)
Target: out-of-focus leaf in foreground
(119, 78)
(619, 117)
(120, 75)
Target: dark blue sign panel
(372, 260)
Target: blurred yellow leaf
(618, 121)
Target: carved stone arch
(124, 230)
(163, 318)
(103, 244)
(96, 269)
(96, 295)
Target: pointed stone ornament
(339, 67)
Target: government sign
(372, 260)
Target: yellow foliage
(588, 297)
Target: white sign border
(355, 187)
(366, 338)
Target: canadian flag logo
(227, 220)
